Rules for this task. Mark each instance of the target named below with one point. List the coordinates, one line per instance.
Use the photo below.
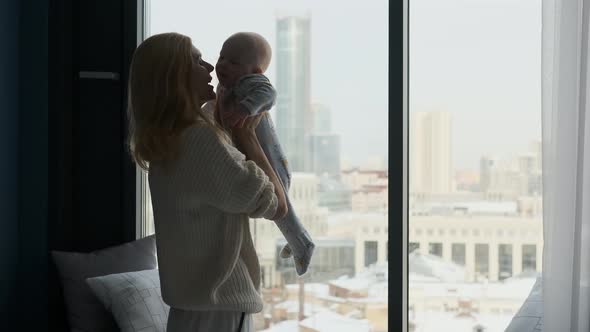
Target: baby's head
(243, 53)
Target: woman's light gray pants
(208, 321)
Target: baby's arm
(253, 95)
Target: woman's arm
(248, 144)
(223, 178)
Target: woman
(203, 190)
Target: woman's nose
(209, 67)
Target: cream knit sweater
(201, 204)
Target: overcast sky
(349, 54)
(478, 59)
(481, 61)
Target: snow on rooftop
(353, 284)
(323, 322)
(373, 278)
(331, 298)
(436, 277)
(420, 278)
(330, 321)
(509, 289)
(292, 306)
(313, 288)
(429, 321)
(432, 266)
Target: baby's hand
(234, 118)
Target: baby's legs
(300, 244)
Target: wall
(33, 165)
(47, 153)
(9, 21)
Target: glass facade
(294, 120)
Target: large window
(330, 69)
(412, 246)
(529, 257)
(458, 253)
(475, 189)
(370, 252)
(504, 261)
(435, 249)
(482, 261)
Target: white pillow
(85, 312)
(134, 299)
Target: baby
(243, 92)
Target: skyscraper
(325, 154)
(322, 118)
(324, 146)
(431, 164)
(293, 108)
(486, 164)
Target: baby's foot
(301, 249)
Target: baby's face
(234, 62)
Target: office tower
(293, 110)
(486, 165)
(325, 154)
(322, 118)
(431, 163)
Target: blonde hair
(161, 103)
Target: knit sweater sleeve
(219, 175)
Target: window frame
(141, 179)
(397, 159)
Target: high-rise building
(325, 154)
(431, 164)
(512, 177)
(324, 146)
(322, 118)
(334, 195)
(294, 118)
(486, 164)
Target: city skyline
(459, 66)
(461, 86)
(486, 74)
(338, 66)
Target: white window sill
(530, 316)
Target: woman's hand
(282, 208)
(248, 128)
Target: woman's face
(201, 77)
